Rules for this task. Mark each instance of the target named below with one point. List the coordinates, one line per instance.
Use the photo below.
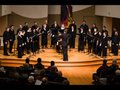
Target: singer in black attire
(64, 46)
(5, 41)
(20, 44)
(12, 38)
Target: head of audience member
(44, 80)
(2, 69)
(117, 72)
(24, 76)
(52, 67)
(52, 63)
(39, 60)
(104, 62)
(16, 75)
(12, 72)
(31, 79)
(37, 72)
(27, 60)
(38, 77)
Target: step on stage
(75, 58)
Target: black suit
(28, 41)
(95, 35)
(85, 29)
(104, 46)
(5, 41)
(34, 27)
(34, 42)
(81, 41)
(44, 39)
(12, 39)
(54, 34)
(25, 28)
(72, 35)
(64, 46)
(113, 34)
(20, 46)
(99, 47)
(38, 40)
(90, 42)
(115, 44)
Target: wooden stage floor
(78, 69)
(51, 54)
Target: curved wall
(108, 10)
(29, 11)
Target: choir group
(31, 38)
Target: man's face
(84, 22)
(35, 23)
(7, 29)
(12, 27)
(93, 25)
(26, 24)
(73, 22)
(116, 33)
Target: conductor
(64, 38)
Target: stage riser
(18, 65)
(64, 64)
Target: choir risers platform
(20, 62)
(76, 59)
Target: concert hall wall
(87, 13)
